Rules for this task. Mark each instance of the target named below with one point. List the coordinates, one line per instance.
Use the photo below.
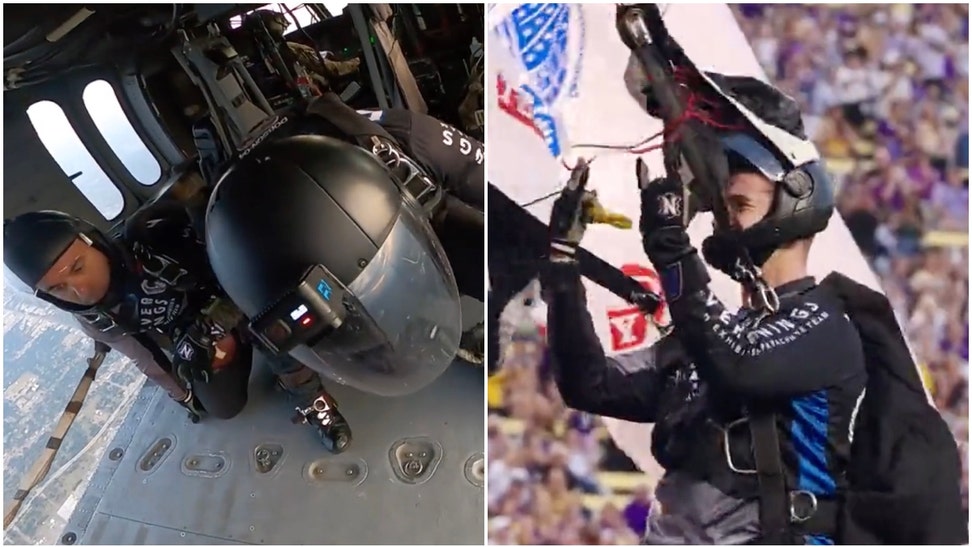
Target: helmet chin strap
(725, 251)
(761, 295)
(120, 266)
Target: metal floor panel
(207, 487)
(106, 530)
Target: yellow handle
(597, 214)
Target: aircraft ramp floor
(165, 480)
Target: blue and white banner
(543, 46)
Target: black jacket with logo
(159, 242)
(805, 361)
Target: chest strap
(785, 516)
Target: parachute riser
(689, 142)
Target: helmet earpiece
(803, 199)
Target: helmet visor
(742, 147)
(392, 331)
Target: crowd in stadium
(884, 89)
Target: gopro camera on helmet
(317, 307)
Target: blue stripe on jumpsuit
(809, 436)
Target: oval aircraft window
(64, 145)
(108, 116)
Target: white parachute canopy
(560, 74)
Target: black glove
(663, 234)
(663, 202)
(567, 219)
(192, 404)
(195, 348)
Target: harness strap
(372, 137)
(785, 516)
(773, 503)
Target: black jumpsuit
(806, 361)
(151, 308)
(457, 161)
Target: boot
(319, 409)
(331, 426)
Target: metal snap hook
(768, 297)
(802, 513)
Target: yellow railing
(622, 482)
(595, 502)
(942, 238)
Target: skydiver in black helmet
(445, 167)
(792, 347)
(149, 289)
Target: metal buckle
(767, 296)
(98, 321)
(159, 266)
(725, 445)
(798, 518)
(408, 174)
(320, 408)
(753, 278)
